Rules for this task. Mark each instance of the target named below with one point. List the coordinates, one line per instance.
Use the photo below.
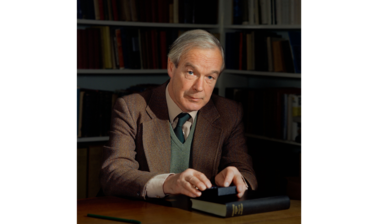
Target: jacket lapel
(206, 140)
(156, 132)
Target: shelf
(272, 139)
(122, 71)
(257, 73)
(143, 24)
(256, 27)
(93, 139)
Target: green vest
(180, 152)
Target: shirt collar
(173, 109)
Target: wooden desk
(147, 212)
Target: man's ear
(171, 68)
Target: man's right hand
(186, 183)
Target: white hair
(194, 39)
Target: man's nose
(199, 84)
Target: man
(178, 138)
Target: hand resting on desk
(191, 182)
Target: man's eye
(190, 72)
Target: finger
(229, 175)
(196, 183)
(190, 190)
(203, 179)
(241, 187)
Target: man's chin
(193, 107)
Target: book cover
(232, 206)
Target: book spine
(119, 48)
(96, 10)
(106, 49)
(257, 206)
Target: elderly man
(179, 138)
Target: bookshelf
(230, 78)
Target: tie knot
(182, 118)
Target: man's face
(193, 81)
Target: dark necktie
(182, 118)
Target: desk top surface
(147, 212)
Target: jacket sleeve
(120, 174)
(235, 152)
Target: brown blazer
(139, 145)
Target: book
(96, 10)
(176, 11)
(270, 52)
(250, 49)
(296, 118)
(133, 8)
(124, 10)
(278, 64)
(231, 206)
(82, 162)
(251, 5)
(119, 48)
(106, 46)
(237, 12)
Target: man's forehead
(189, 58)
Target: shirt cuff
(154, 187)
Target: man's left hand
(231, 175)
